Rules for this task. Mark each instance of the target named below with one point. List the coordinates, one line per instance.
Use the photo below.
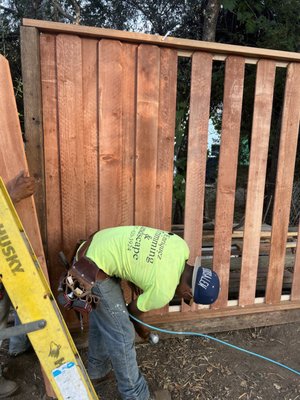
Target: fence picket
(284, 183)
(147, 134)
(197, 150)
(90, 129)
(256, 180)
(231, 120)
(71, 138)
(51, 151)
(166, 137)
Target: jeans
(17, 344)
(111, 342)
(4, 310)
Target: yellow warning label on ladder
(32, 299)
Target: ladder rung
(22, 329)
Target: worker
(19, 188)
(155, 262)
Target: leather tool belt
(76, 286)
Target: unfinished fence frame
(121, 88)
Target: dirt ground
(193, 368)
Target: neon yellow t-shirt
(152, 259)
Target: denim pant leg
(99, 363)
(4, 311)
(117, 332)
(18, 344)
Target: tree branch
(77, 11)
(210, 20)
(62, 11)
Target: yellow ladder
(36, 307)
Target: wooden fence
(100, 109)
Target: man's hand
(20, 187)
(140, 329)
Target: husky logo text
(9, 252)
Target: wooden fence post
(30, 55)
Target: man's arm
(140, 329)
(20, 187)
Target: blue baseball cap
(205, 285)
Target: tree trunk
(211, 14)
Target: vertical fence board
(90, 129)
(295, 294)
(30, 56)
(284, 183)
(147, 134)
(165, 148)
(256, 181)
(129, 56)
(128, 129)
(110, 131)
(166, 137)
(71, 139)
(197, 150)
(51, 153)
(231, 120)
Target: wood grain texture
(284, 182)
(166, 138)
(90, 132)
(71, 139)
(51, 154)
(261, 125)
(110, 132)
(197, 150)
(31, 77)
(230, 135)
(165, 145)
(129, 68)
(197, 153)
(147, 134)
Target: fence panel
(109, 108)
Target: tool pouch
(77, 286)
(85, 271)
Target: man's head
(199, 284)
(205, 285)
